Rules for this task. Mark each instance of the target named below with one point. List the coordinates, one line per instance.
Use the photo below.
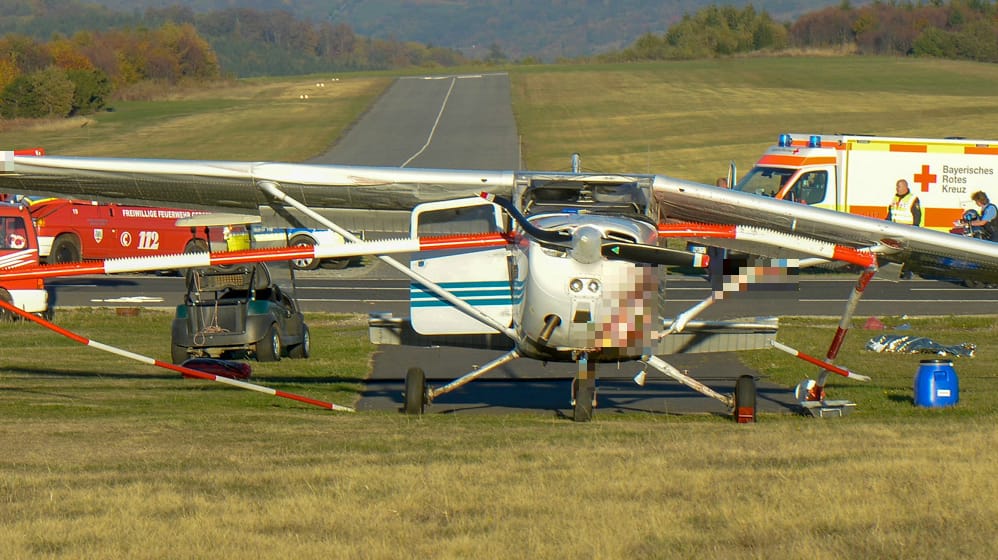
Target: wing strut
(272, 190)
(670, 371)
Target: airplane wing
(923, 250)
(227, 185)
(221, 185)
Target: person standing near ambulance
(904, 208)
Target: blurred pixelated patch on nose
(768, 276)
(628, 310)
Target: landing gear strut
(418, 395)
(584, 391)
(742, 404)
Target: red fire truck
(19, 247)
(75, 230)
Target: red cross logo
(925, 178)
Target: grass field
(260, 119)
(689, 119)
(110, 458)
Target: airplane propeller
(582, 244)
(651, 254)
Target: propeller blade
(651, 254)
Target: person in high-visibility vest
(905, 208)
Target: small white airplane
(553, 266)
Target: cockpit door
(480, 277)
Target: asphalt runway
(530, 386)
(435, 122)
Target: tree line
(78, 72)
(76, 75)
(958, 29)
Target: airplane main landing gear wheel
(415, 391)
(745, 400)
(583, 396)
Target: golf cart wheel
(6, 316)
(745, 400)
(179, 354)
(268, 348)
(415, 391)
(304, 348)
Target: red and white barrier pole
(188, 372)
(817, 248)
(195, 260)
(827, 366)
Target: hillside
(545, 29)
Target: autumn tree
(713, 31)
(91, 90)
(44, 93)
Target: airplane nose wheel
(745, 400)
(415, 391)
(583, 399)
(584, 390)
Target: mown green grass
(890, 393)
(110, 458)
(79, 381)
(690, 119)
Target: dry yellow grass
(302, 482)
(252, 120)
(106, 458)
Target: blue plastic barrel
(936, 384)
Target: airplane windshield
(765, 181)
(610, 198)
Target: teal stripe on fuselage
(479, 294)
(475, 302)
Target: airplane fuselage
(571, 300)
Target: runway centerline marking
(433, 130)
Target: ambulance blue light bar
(784, 141)
(814, 141)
